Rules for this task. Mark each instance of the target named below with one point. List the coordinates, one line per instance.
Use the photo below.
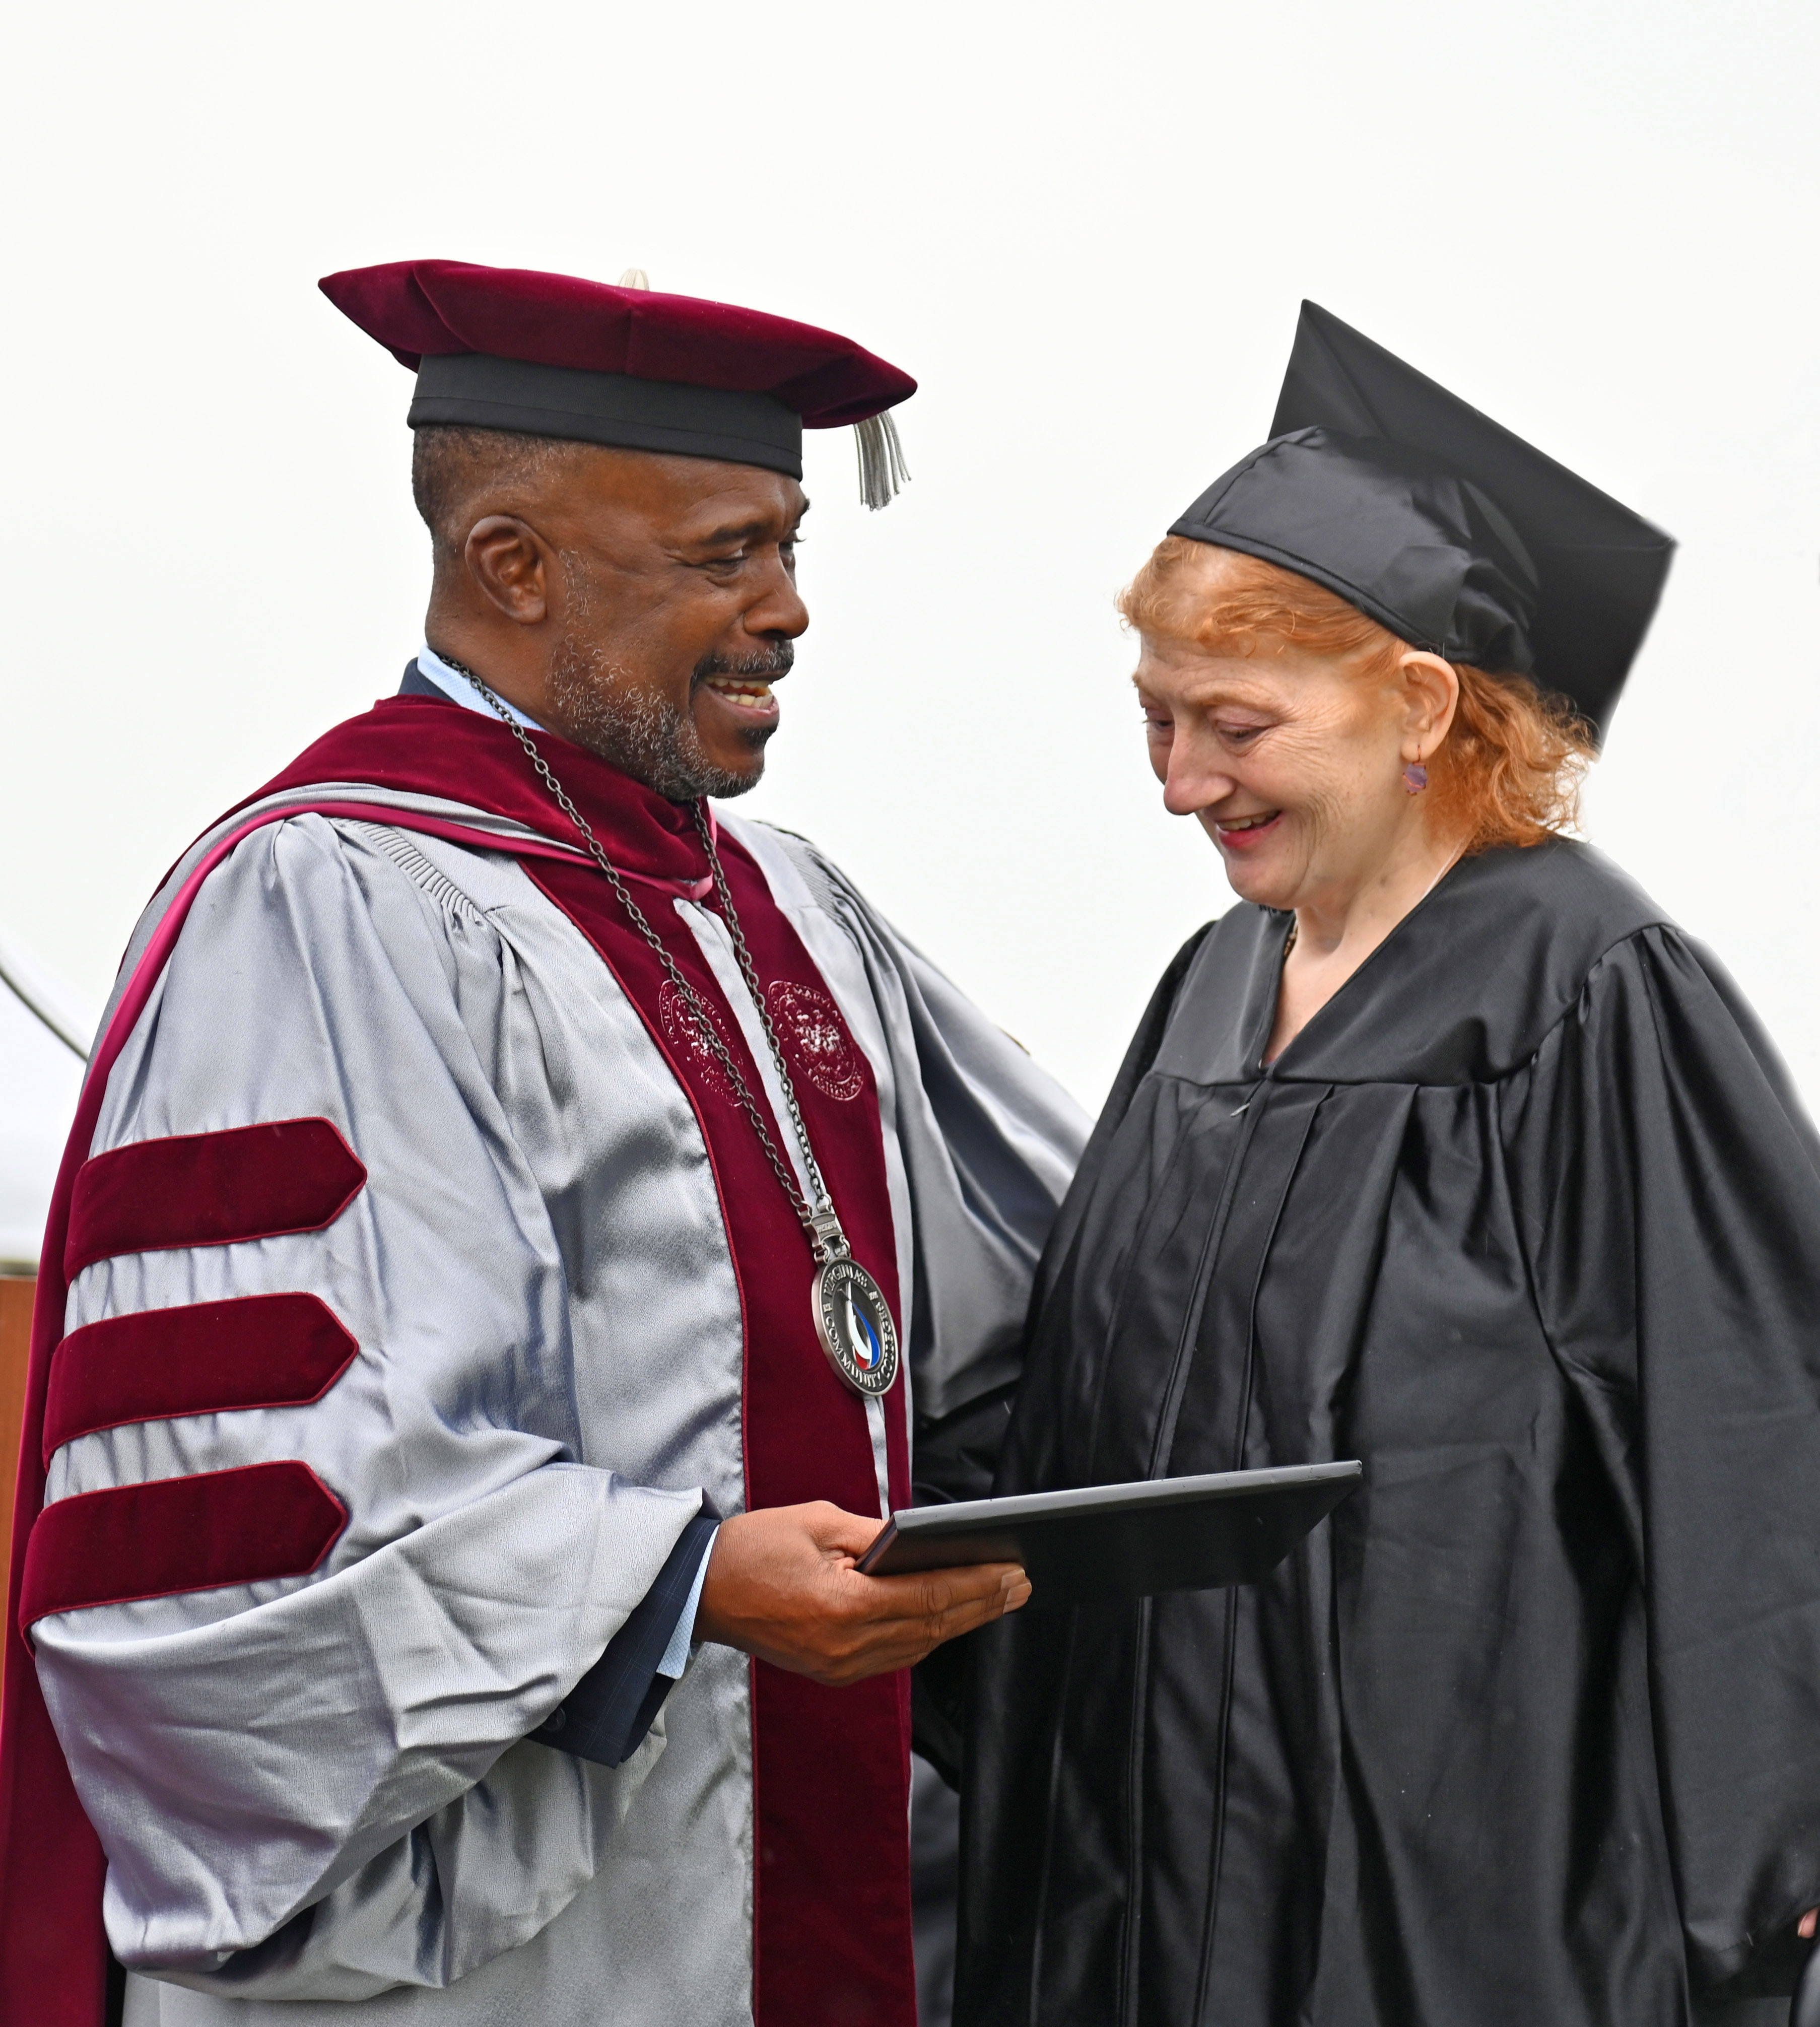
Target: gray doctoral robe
(320, 1789)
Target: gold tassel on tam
(882, 474)
(635, 278)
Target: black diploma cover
(1111, 1542)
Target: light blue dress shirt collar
(458, 689)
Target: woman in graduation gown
(1447, 1150)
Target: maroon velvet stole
(831, 1941)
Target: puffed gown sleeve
(321, 1785)
(1666, 1184)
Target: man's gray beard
(647, 736)
(651, 738)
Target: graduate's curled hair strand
(1510, 769)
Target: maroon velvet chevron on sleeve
(204, 1358)
(210, 1189)
(175, 1534)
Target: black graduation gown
(1528, 1219)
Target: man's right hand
(781, 1584)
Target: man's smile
(742, 686)
(749, 696)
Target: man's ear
(510, 562)
(1432, 692)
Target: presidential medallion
(853, 1322)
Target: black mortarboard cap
(1438, 523)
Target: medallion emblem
(853, 1322)
(817, 1038)
(682, 1030)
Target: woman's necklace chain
(819, 1218)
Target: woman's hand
(781, 1584)
(1807, 1924)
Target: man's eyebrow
(742, 531)
(731, 531)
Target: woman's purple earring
(1415, 778)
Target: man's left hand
(781, 1584)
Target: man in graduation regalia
(511, 1221)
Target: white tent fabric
(43, 1036)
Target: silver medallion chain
(819, 1218)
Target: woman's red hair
(1510, 769)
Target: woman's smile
(1246, 833)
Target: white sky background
(1086, 230)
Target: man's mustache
(769, 663)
